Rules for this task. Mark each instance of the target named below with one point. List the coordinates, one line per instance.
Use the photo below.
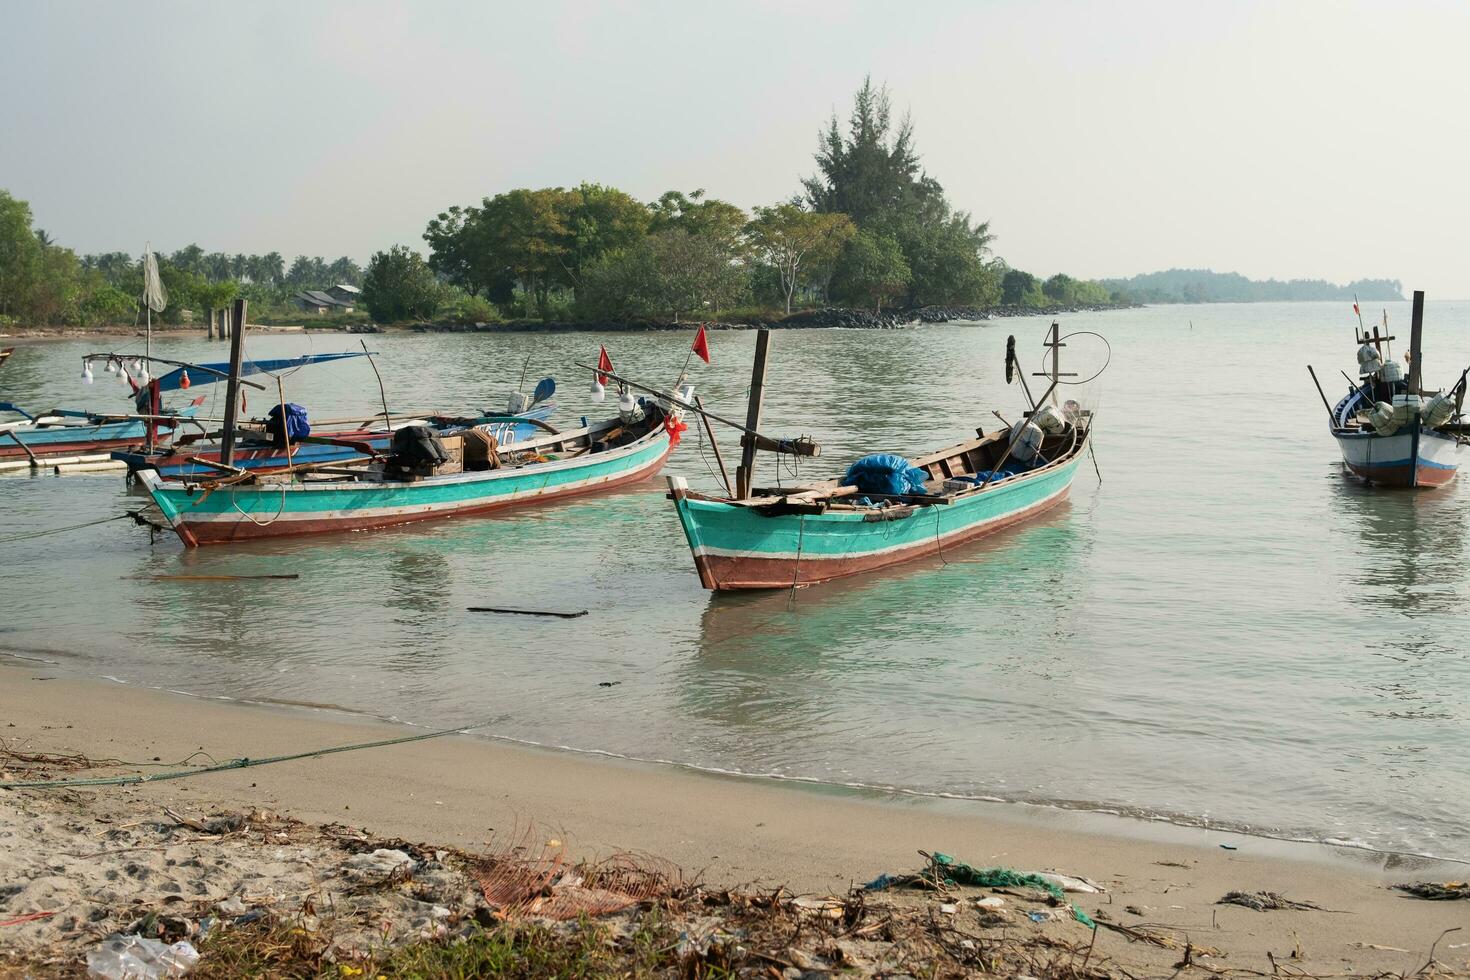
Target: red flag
(701, 345)
(604, 363)
(1356, 310)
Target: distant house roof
(315, 297)
(347, 289)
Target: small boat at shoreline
(1390, 431)
(5, 353)
(882, 513)
(245, 506)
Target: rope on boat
(26, 536)
(242, 763)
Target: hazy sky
(1286, 139)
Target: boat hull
(1399, 460)
(736, 547)
(252, 512)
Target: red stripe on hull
(219, 532)
(727, 573)
(1403, 476)
(9, 450)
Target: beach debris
(543, 885)
(1436, 891)
(217, 826)
(1071, 883)
(122, 957)
(1266, 902)
(1386, 949)
(382, 862)
(949, 908)
(29, 917)
(1229, 847)
(990, 902)
(833, 908)
(944, 872)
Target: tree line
(870, 228)
(45, 284)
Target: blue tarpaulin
(886, 473)
(215, 373)
(297, 426)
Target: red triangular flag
(604, 363)
(701, 345)
(1356, 310)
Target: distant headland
(1208, 286)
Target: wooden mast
(744, 471)
(1053, 341)
(232, 385)
(1416, 337)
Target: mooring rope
(73, 527)
(243, 763)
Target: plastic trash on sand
(120, 957)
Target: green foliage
(872, 269)
(399, 286)
(20, 253)
(801, 246)
(700, 216)
(670, 273)
(872, 174)
(458, 306)
(1017, 288)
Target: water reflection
(1407, 548)
(772, 660)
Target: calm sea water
(1225, 629)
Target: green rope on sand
(958, 873)
(234, 763)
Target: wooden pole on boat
(1325, 403)
(232, 385)
(729, 490)
(24, 447)
(384, 392)
(1416, 336)
(746, 469)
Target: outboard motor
(417, 450)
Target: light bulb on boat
(111, 367)
(625, 402)
(597, 391)
(86, 372)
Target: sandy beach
(467, 793)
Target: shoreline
(826, 317)
(733, 830)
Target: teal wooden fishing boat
(776, 540)
(886, 510)
(244, 506)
